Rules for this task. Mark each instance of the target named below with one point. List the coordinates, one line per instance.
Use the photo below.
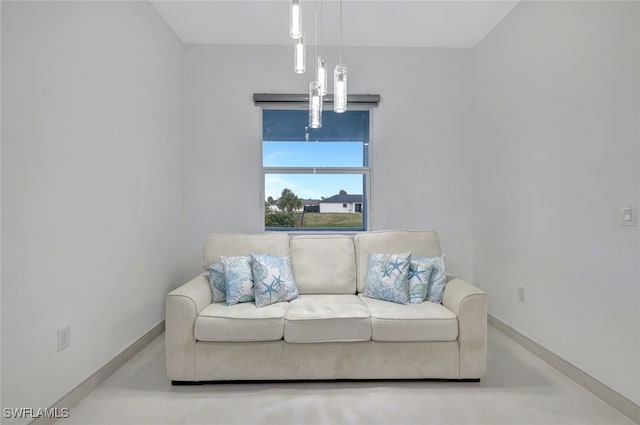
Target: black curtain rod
(276, 98)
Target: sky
(312, 154)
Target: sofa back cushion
(421, 243)
(323, 264)
(218, 244)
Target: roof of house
(342, 199)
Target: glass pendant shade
(322, 75)
(315, 106)
(295, 20)
(298, 57)
(340, 88)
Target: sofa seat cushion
(327, 318)
(241, 322)
(426, 321)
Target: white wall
(420, 157)
(91, 179)
(556, 155)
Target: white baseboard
(101, 375)
(591, 384)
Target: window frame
(365, 171)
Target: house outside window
(315, 179)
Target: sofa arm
(469, 303)
(183, 305)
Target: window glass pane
(312, 154)
(315, 179)
(310, 201)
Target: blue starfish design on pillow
(396, 264)
(416, 272)
(386, 270)
(277, 280)
(272, 289)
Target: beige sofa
(331, 331)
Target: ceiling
(366, 23)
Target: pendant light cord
(315, 30)
(340, 31)
(321, 22)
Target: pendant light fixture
(321, 64)
(299, 60)
(315, 106)
(340, 88)
(295, 20)
(340, 79)
(295, 32)
(315, 92)
(318, 88)
(322, 75)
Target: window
(315, 179)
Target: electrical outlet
(521, 293)
(64, 338)
(629, 215)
